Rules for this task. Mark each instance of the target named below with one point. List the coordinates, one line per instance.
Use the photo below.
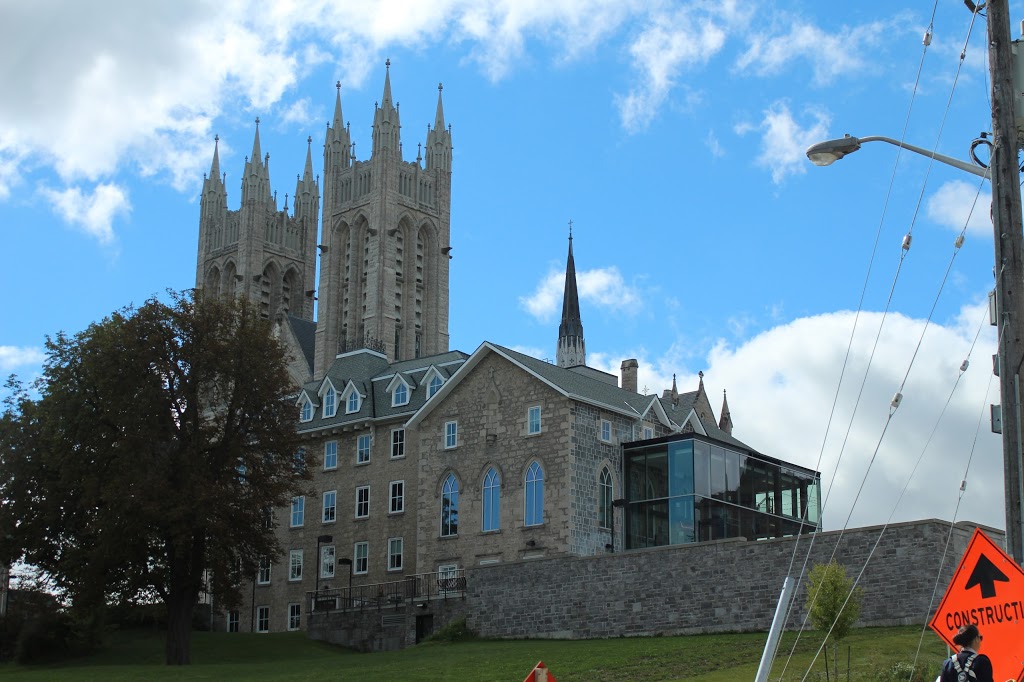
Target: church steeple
(386, 125)
(572, 350)
(439, 139)
(725, 421)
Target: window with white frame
(360, 558)
(262, 619)
(330, 506)
(295, 564)
(451, 435)
(398, 443)
(648, 433)
(327, 561)
(294, 616)
(434, 386)
(331, 454)
(298, 511)
(363, 449)
(330, 402)
(395, 554)
(233, 621)
(450, 507)
(534, 495)
(397, 497)
(353, 402)
(306, 411)
(400, 396)
(299, 461)
(604, 499)
(263, 574)
(447, 575)
(605, 433)
(362, 501)
(533, 420)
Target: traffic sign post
(987, 590)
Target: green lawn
(708, 658)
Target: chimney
(629, 370)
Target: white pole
(778, 622)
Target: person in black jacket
(968, 665)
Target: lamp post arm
(941, 158)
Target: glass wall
(691, 490)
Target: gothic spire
(439, 116)
(256, 153)
(386, 124)
(571, 347)
(215, 166)
(339, 120)
(385, 101)
(725, 422)
(307, 174)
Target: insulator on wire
(964, 365)
(963, 485)
(896, 400)
(959, 241)
(907, 238)
(927, 40)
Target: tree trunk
(179, 628)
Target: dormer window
(434, 386)
(330, 403)
(306, 412)
(400, 396)
(353, 402)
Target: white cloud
(671, 41)
(603, 286)
(714, 146)
(958, 203)
(12, 357)
(784, 142)
(830, 55)
(93, 213)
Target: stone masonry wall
(728, 585)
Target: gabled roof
(370, 373)
(574, 385)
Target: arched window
(353, 402)
(534, 495)
(330, 406)
(450, 507)
(401, 395)
(604, 499)
(492, 500)
(306, 414)
(434, 386)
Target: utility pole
(1009, 268)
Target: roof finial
(570, 229)
(337, 84)
(440, 86)
(387, 64)
(257, 121)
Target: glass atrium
(683, 488)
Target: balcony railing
(413, 589)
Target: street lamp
(1006, 223)
(320, 539)
(827, 153)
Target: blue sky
(671, 134)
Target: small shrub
(456, 631)
(903, 671)
(43, 639)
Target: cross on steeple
(570, 229)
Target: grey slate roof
(305, 334)
(371, 373)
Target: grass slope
(705, 658)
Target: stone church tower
(386, 240)
(260, 251)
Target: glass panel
(813, 502)
(680, 466)
(657, 474)
(717, 472)
(701, 468)
(635, 474)
(681, 528)
(732, 475)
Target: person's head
(968, 636)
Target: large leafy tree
(157, 442)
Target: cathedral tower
(260, 251)
(572, 351)
(386, 240)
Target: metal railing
(413, 589)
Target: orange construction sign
(540, 673)
(988, 591)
